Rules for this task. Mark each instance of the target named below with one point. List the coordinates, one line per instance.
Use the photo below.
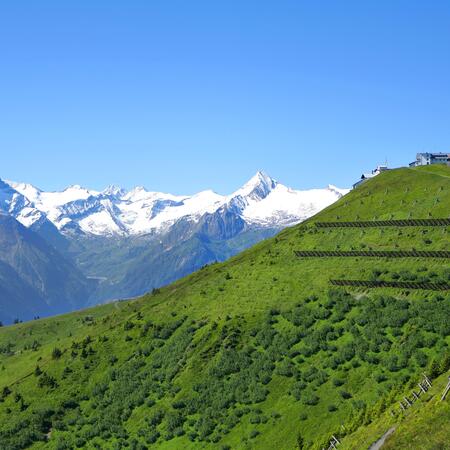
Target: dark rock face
(223, 224)
(35, 279)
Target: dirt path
(378, 444)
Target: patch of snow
(287, 206)
(99, 223)
(28, 216)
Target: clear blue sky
(184, 95)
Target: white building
(367, 176)
(425, 159)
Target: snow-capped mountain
(17, 205)
(115, 243)
(261, 202)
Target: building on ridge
(425, 159)
(367, 176)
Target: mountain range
(262, 201)
(121, 243)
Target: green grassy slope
(424, 425)
(256, 352)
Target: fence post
(446, 390)
(427, 380)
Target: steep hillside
(257, 352)
(34, 278)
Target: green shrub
(310, 398)
(254, 433)
(345, 395)
(56, 353)
(46, 380)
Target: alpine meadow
(279, 347)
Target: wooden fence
(373, 253)
(437, 286)
(407, 402)
(385, 223)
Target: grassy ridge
(256, 352)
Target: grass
(251, 353)
(424, 425)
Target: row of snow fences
(439, 286)
(386, 223)
(373, 253)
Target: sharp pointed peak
(261, 178)
(259, 186)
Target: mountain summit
(258, 187)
